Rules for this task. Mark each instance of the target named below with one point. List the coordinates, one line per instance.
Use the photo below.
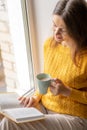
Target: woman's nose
(57, 31)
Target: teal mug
(43, 82)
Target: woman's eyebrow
(57, 25)
(54, 23)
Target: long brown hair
(74, 14)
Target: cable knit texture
(58, 63)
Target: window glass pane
(19, 27)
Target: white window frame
(20, 32)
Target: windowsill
(4, 89)
(19, 91)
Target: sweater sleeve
(38, 95)
(79, 96)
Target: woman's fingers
(31, 102)
(55, 86)
(22, 100)
(26, 101)
(55, 81)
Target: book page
(9, 100)
(23, 114)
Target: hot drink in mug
(43, 82)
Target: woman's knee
(4, 124)
(5, 120)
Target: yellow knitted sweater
(58, 63)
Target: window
(19, 28)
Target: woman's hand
(28, 101)
(57, 87)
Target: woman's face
(60, 32)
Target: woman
(65, 58)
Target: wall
(42, 26)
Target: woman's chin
(59, 40)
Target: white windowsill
(19, 91)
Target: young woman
(65, 59)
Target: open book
(12, 109)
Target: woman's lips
(58, 38)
